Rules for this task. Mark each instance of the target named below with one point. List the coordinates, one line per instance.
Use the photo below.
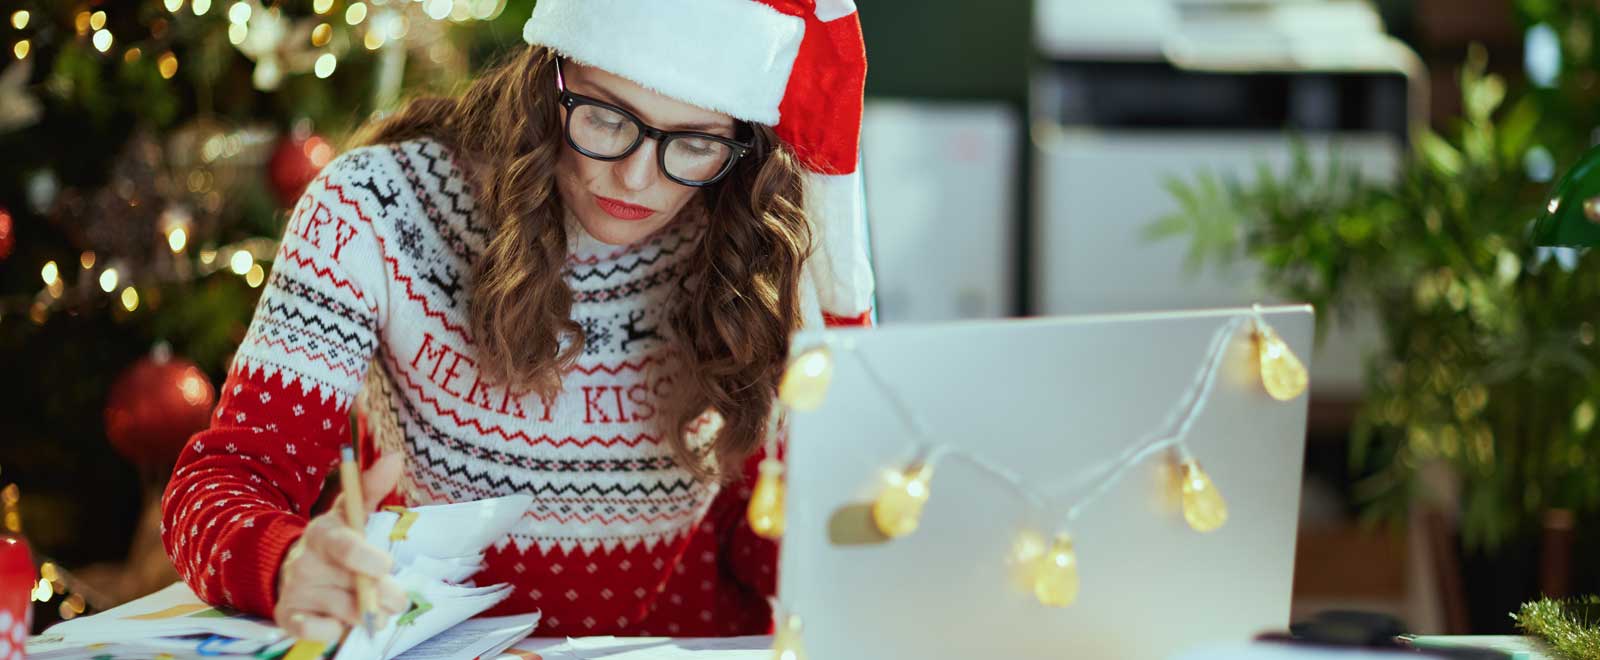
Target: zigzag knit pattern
(619, 540)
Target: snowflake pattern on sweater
(619, 540)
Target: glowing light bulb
(805, 381)
(200, 7)
(102, 40)
(50, 272)
(130, 299)
(325, 65)
(168, 65)
(1281, 372)
(177, 238)
(172, 5)
(321, 6)
(19, 19)
(256, 276)
(1203, 506)
(108, 280)
(765, 513)
(786, 641)
(1027, 549)
(1056, 581)
(240, 262)
(898, 509)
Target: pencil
(355, 514)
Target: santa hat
(796, 65)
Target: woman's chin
(613, 231)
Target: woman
(578, 279)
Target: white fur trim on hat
(730, 56)
(829, 10)
(841, 265)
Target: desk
(759, 648)
(641, 648)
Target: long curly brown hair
(736, 304)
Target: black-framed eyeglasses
(603, 131)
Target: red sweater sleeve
(242, 490)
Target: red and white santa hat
(796, 65)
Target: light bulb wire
(1175, 430)
(1182, 416)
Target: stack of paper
(435, 548)
(642, 648)
(171, 621)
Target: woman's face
(624, 201)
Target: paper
(172, 612)
(444, 531)
(446, 606)
(435, 548)
(477, 638)
(642, 648)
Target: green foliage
(1570, 627)
(1489, 357)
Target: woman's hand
(316, 587)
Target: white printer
(1130, 94)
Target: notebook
(436, 551)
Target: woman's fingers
(391, 596)
(343, 548)
(331, 602)
(380, 479)
(304, 625)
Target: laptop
(1047, 409)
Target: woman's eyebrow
(606, 95)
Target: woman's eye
(597, 121)
(698, 147)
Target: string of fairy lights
(1044, 557)
(242, 258)
(260, 30)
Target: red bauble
(295, 162)
(7, 238)
(155, 406)
(17, 579)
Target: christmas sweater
(372, 273)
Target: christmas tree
(152, 149)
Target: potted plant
(1489, 361)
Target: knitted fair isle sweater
(619, 540)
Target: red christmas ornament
(17, 581)
(295, 162)
(7, 238)
(155, 406)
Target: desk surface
(639, 648)
(759, 647)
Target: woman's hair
(733, 310)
